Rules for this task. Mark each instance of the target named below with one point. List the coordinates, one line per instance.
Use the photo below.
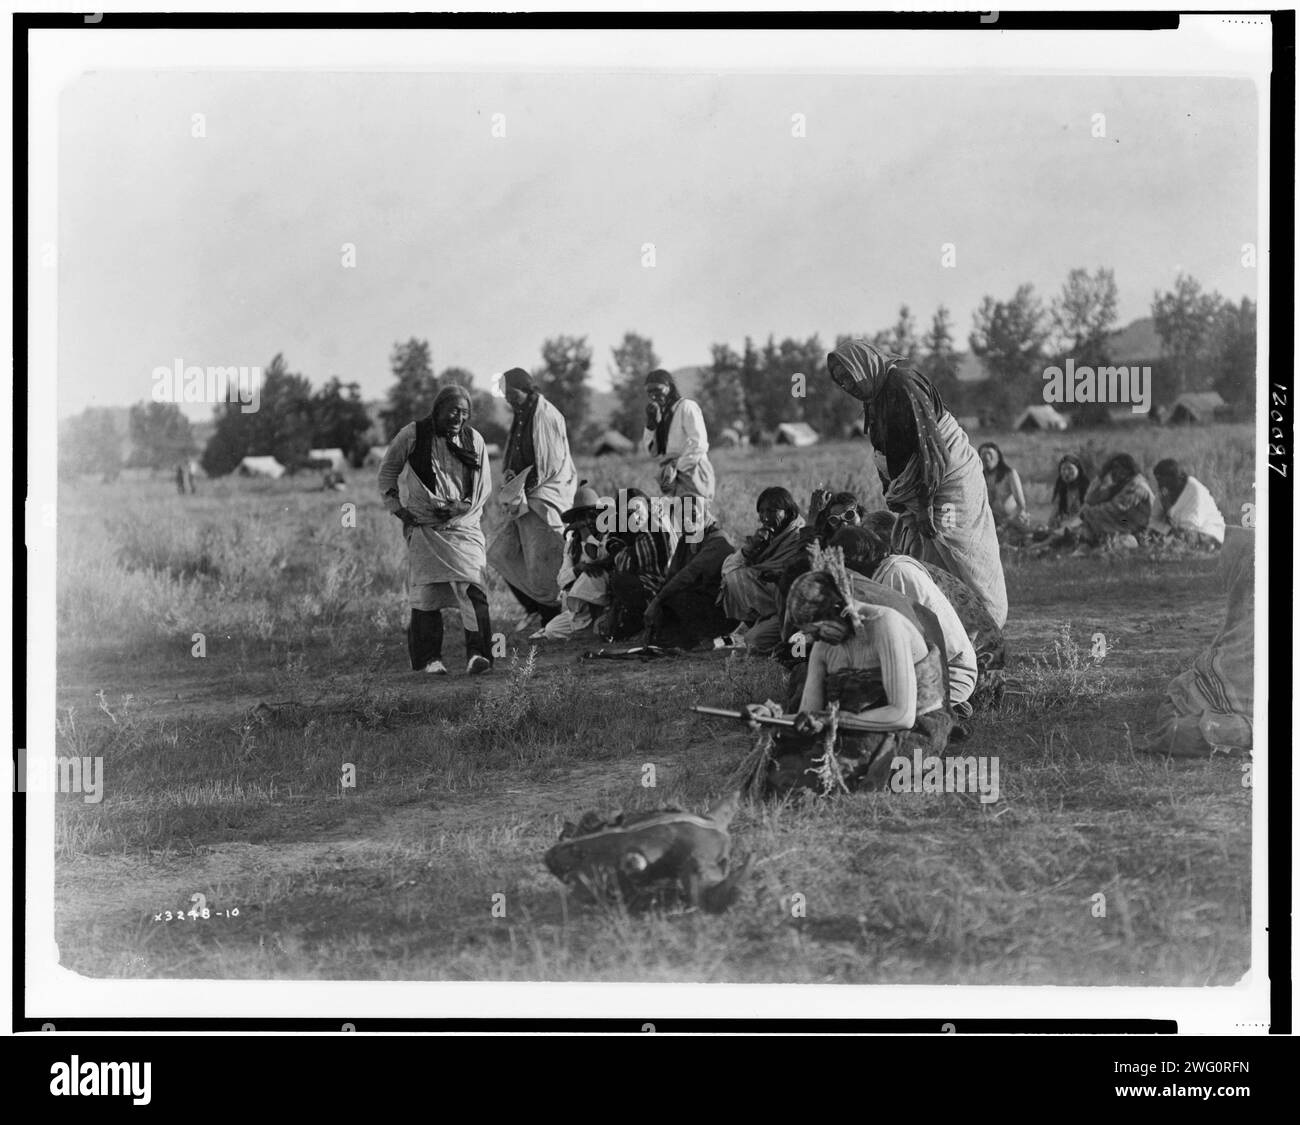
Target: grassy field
(223, 772)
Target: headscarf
(1001, 469)
(1062, 489)
(902, 408)
(461, 444)
(662, 378)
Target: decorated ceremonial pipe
(744, 716)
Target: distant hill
(1139, 341)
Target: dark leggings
(546, 612)
(692, 616)
(424, 633)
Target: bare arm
(814, 685)
(894, 646)
(1018, 492)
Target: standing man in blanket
(540, 481)
(435, 479)
(676, 436)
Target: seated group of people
(1118, 504)
(900, 643)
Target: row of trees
(1206, 342)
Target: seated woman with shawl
(641, 556)
(873, 663)
(1184, 509)
(751, 577)
(1118, 503)
(931, 474)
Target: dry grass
(223, 774)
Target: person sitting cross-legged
(751, 576)
(685, 611)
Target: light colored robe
(443, 556)
(528, 550)
(684, 463)
(1194, 510)
(910, 578)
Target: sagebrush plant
(498, 716)
(1065, 674)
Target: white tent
(1041, 418)
(327, 459)
(796, 433)
(261, 467)
(1195, 406)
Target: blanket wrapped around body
(966, 541)
(1210, 706)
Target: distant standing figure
(675, 434)
(435, 479)
(180, 479)
(930, 473)
(540, 481)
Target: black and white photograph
(591, 509)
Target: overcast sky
(227, 249)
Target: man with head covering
(1184, 507)
(930, 473)
(676, 436)
(539, 484)
(435, 479)
(584, 576)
